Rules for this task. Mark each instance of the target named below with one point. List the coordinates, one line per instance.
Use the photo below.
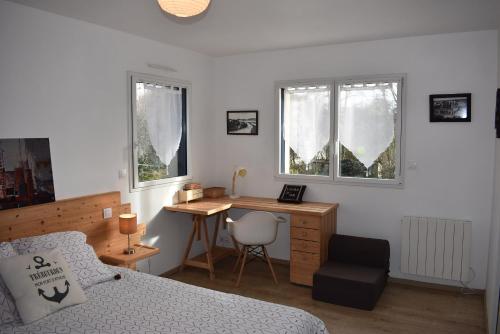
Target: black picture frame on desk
(292, 193)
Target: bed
(138, 302)
(143, 303)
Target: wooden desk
(311, 225)
(200, 211)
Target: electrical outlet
(224, 239)
(107, 213)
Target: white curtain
(307, 121)
(366, 119)
(163, 108)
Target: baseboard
(487, 323)
(280, 261)
(175, 270)
(403, 281)
(435, 286)
(172, 271)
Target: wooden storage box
(214, 192)
(190, 195)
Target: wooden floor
(402, 308)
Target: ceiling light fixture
(184, 8)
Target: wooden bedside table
(129, 260)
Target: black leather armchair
(356, 272)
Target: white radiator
(436, 247)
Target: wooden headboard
(75, 214)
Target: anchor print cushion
(40, 283)
(82, 260)
(8, 312)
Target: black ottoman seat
(355, 273)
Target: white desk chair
(254, 231)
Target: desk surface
(199, 207)
(210, 206)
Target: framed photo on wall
(450, 107)
(243, 122)
(25, 172)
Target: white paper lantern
(184, 8)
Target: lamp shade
(184, 8)
(241, 171)
(128, 223)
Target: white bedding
(142, 303)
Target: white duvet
(142, 303)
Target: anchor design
(58, 296)
(41, 262)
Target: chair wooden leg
(240, 254)
(243, 261)
(269, 263)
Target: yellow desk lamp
(241, 172)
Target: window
(367, 120)
(368, 136)
(159, 131)
(305, 140)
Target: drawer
(312, 222)
(304, 234)
(305, 259)
(304, 246)
(302, 274)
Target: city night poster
(25, 172)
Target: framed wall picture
(25, 172)
(450, 107)
(243, 122)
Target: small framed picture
(243, 122)
(292, 193)
(450, 107)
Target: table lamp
(128, 225)
(241, 172)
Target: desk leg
(235, 243)
(208, 248)
(216, 230)
(190, 242)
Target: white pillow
(8, 312)
(41, 283)
(82, 260)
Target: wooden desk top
(199, 207)
(209, 206)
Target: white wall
(455, 161)
(493, 278)
(66, 80)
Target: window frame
(400, 132)
(133, 79)
(279, 119)
(398, 181)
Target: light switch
(122, 173)
(107, 213)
